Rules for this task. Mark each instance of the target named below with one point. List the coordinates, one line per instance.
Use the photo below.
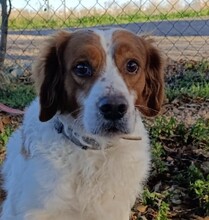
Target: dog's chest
(89, 178)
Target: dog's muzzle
(112, 108)
(113, 115)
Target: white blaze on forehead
(106, 38)
(111, 78)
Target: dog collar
(84, 142)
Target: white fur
(110, 83)
(56, 179)
(62, 181)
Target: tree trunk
(4, 29)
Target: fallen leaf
(204, 218)
(6, 120)
(1, 126)
(141, 208)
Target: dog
(82, 151)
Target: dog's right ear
(48, 74)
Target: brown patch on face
(56, 82)
(84, 46)
(147, 81)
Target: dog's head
(102, 77)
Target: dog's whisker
(76, 110)
(146, 108)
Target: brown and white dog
(82, 152)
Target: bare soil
(23, 48)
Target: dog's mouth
(112, 129)
(119, 131)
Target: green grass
(192, 82)
(37, 21)
(17, 95)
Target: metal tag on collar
(58, 126)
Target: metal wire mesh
(180, 27)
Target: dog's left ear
(48, 74)
(153, 93)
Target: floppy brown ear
(48, 74)
(153, 93)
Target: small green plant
(148, 198)
(194, 173)
(163, 127)
(197, 185)
(200, 133)
(17, 95)
(201, 189)
(158, 154)
(190, 175)
(163, 211)
(4, 136)
(157, 200)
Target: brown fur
(148, 82)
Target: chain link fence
(180, 27)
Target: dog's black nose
(113, 107)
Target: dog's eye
(83, 69)
(132, 67)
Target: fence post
(4, 29)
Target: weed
(168, 130)
(163, 211)
(148, 198)
(4, 136)
(158, 154)
(194, 174)
(201, 189)
(201, 67)
(199, 133)
(193, 82)
(17, 95)
(162, 127)
(197, 186)
(157, 200)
